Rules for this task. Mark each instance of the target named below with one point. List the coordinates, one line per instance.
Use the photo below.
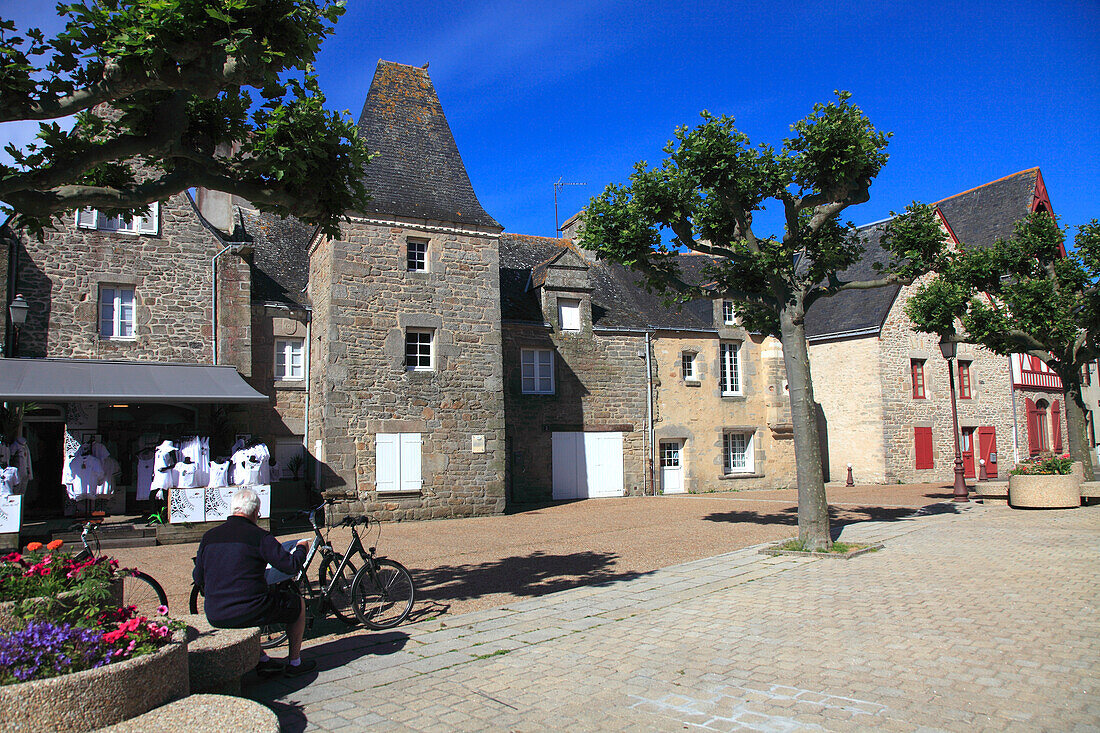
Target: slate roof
(280, 260)
(617, 299)
(977, 217)
(417, 171)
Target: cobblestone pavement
(980, 620)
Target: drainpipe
(649, 417)
(306, 356)
(1015, 426)
(214, 300)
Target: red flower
(112, 636)
(12, 557)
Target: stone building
(884, 389)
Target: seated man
(229, 567)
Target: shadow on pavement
(529, 575)
(329, 656)
(839, 518)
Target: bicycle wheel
(144, 593)
(383, 598)
(339, 598)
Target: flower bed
(54, 585)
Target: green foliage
(159, 91)
(1044, 466)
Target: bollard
(850, 482)
(982, 475)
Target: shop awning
(87, 380)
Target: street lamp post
(948, 348)
(17, 310)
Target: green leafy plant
(47, 583)
(1044, 466)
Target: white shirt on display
(9, 480)
(185, 475)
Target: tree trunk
(813, 510)
(1079, 449)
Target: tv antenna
(558, 185)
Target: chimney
(217, 208)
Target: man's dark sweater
(229, 567)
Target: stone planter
(10, 622)
(1057, 491)
(94, 698)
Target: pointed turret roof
(417, 171)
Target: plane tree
(1025, 294)
(163, 96)
(703, 198)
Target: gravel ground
(463, 565)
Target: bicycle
(139, 589)
(335, 580)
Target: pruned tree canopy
(704, 195)
(1025, 294)
(174, 94)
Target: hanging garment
(164, 463)
(5, 454)
(198, 450)
(144, 475)
(111, 469)
(87, 474)
(219, 475)
(246, 468)
(20, 454)
(263, 455)
(186, 473)
(9, 479)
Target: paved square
(982, 620)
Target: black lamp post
(17, 310)
(948, 347)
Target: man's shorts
(282, 606)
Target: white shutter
(149, 224)
(86, 218)
(385, 462)
(410, 462)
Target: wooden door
(987, 449)
(966, 441)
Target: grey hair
(245, 501)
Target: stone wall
(599, 386)
(367, 300)
(286, 415)
(696, 412)
(170, 273)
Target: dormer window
(729, 316)
(569, 314)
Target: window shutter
(1032, 432)
(86, 218)
(386, 462)
(1056, 425)
(149, 224)
(922, 447)
(410, 462)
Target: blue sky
(537, 91)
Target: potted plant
(46, 582)
(1047, 481)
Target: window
(965, 391)
(922, 447)
(1042, 427)
(289, 359)
(916, 367)
(730, 355)
(116, 312)
(569, 315)
(737, 453)
(537, 371)
(397, 462)
(670, 455)
(417, 255)
(418, 350)
(729, 316)
(145, 224)
(687, 366)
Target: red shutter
(1032, 432)
(1056, 426)
(922, 447)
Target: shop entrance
(45, 495)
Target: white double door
(587, 465)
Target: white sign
(477, 443)
(11, 513)
(186, 505)
(216, 502)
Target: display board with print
(11, 513)
(186, 505)
(264, 492)
(217, 502)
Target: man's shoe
(269, 668)
(297, 670)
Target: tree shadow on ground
(529, 575)
(839, 517)
(330, 655)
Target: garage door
(588, 465)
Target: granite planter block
(94, 698)
(203, 714)
(218, 658)
(1034, 491)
